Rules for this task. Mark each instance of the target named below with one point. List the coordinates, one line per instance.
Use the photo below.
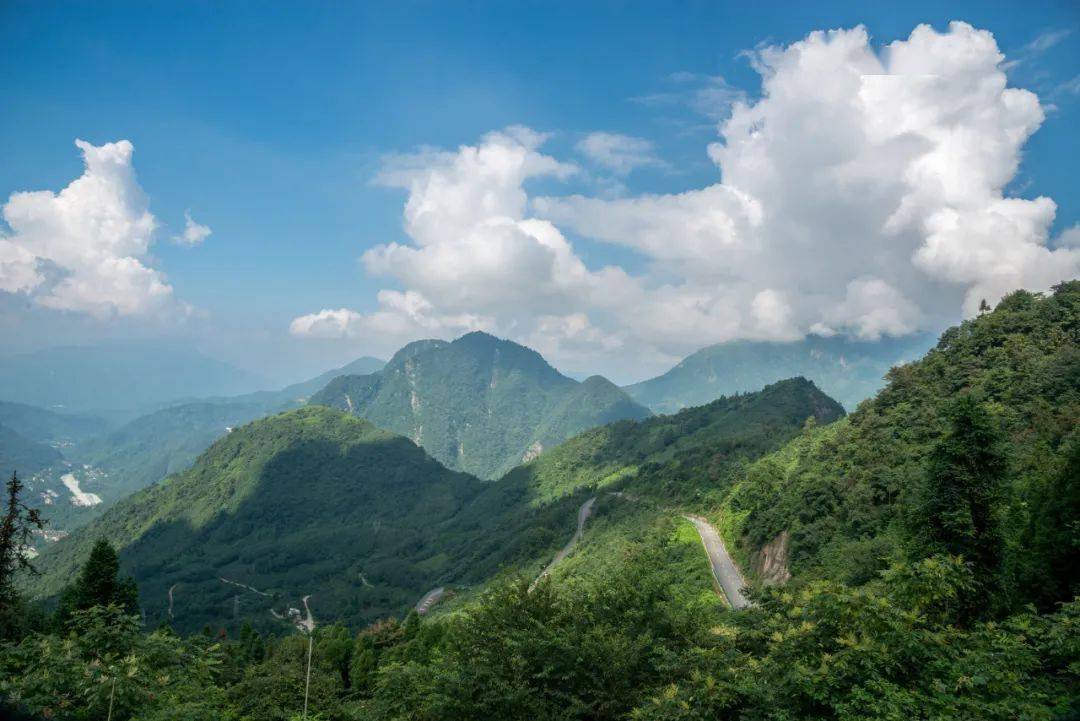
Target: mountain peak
(417, 347)
(479, 336)
(479, 402)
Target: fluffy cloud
(401, 316)
(618, 153)
(194, 233)
(862, 193)
(85, 248)
(851, 168)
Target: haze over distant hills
(45, 426)
(168, 440)
(478, 404)
(316, 501)
(848, 370)
(77, 465)
(118, 376)
(19, 453)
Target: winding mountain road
(582, 517)
(726, 574)
(430, 599)
(724, 570)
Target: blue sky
(269, 122)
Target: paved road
(724, 569)
(582, 516)
(430, 599)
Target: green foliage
(622, 644)
(99, 584)
(16, 526)
(626, 626)
(478, 404)
(309, 501)
(957, 509)
(843, 492)
(887, 650)
(562, 651)
(686, 452)
(373, 523)
(106, 660)
(153, 446)
(282, 506)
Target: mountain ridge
(479, 403)
(847, 370)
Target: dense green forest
(846, 495)
(168, 440)
(914, 560)
(316, 501)
(478, 404)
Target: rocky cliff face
(771, 561)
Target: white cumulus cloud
(194, 233)
(618, 153)
(85, 249)
(862, 193)
(853, 167)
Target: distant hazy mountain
(849, 371)
(118, 376)
(18, 453)
(45, 426)
(169, 440)
(478, 404)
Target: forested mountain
(19, 453)
(121, 376)
(284, 505)
(847, 370)
(837, 502)
(908, 539)
(169, 440)
(478, 404)
(75, 466)
(315, 501)
(688, 446)
(45, 426)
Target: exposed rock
(771, 562)
(533, 452)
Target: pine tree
(99, 584)
(19, 522)
(961, 498)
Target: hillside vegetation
(301, 502)
(844, 493)
(478, 404)
(168, 440)
(914, 560)
(685, 449)
(18, 453)
(315, 501)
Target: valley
(733, 505)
